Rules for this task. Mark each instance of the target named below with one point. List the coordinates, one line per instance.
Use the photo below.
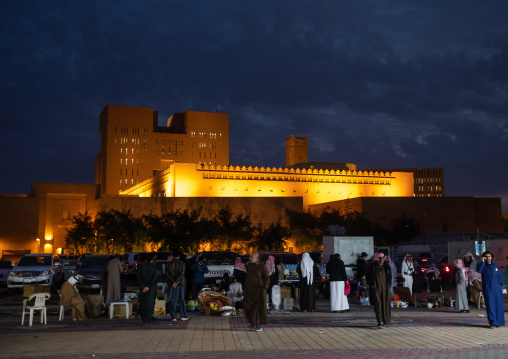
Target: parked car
(82, 257)
(5, 268)
(40, 268)
(445, 270)
(71, 268)
(218, 263)
(129, 263)
(91, 273)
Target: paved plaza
(414, 333)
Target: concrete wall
(434, 214)
(19, 223)
(261, 209)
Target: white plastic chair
(480, 296)
(39, 304)
(62, 311)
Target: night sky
(375, 83)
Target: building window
(66, 215)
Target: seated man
(69, 295)
(475, 281)
(235, 293)
(433, 278)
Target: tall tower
(297, 150)
(134, 147)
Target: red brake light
(446, 269)
(424, 260)
(423, 270)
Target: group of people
(251, 283)
(69, 293)
(415, 277)
(489, 274)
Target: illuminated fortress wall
(314, 186)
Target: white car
(41, 268)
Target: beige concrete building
(134, 146)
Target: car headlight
(46, 272)
(12, 273)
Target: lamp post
(38, 239)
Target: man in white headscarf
(69, 295)
(308, 272)
(407, 272)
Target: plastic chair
(480, 296)
(39, 304)
(62, 312)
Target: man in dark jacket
(173, 273)
(147, 279)
(379, 278)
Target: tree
(178, 230)
(231, 232)
(272, 238)
(82, 234)
(304, 227)
(119, 230)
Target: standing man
(200, 269)
(337, 271)
(407, 272)
(173, 273)
(492, 290)
(379, 278)
(147, 279)
(256, 284)
(115, 270)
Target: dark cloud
(379, 84)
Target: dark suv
(217, 257)
(91, 271)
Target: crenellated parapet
(274, 171)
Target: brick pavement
(414, 333)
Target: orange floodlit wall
(314, 186)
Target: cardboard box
(285, 292)
(288, 304)
(119, 310)
(28, 290)
(160, 307)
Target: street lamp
(38, 239)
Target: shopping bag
(347, 288)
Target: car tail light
(423, 270)
(446, 269)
